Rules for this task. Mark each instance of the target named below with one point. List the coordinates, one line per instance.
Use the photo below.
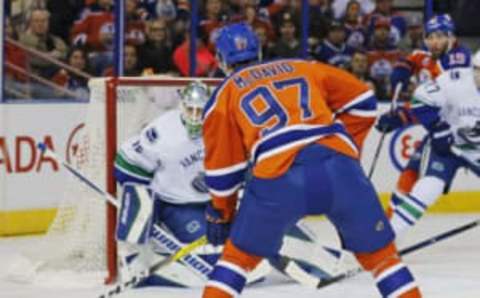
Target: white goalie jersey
(167, 159)
(458, 99)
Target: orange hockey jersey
(264, 114)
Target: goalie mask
(193, 100)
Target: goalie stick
(107, 196)
(137, 278)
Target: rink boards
(31, 184)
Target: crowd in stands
(364, 36)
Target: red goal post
(130, 91)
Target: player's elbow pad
(426, 115)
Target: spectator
(94, 30)
(333, 50)
(206, 64)
(269, 9)
(267, 51)
(359, 68)
(324, 6)
(235, 7)
(78, 59)
(249, 15)
(166, 9)
(381, 57)
(154, 9)
(135, 31)
(38, 37)
(181, 25)
(356, 32)
(132, 67)
(131, 64)
(62, 16)
(16, 83)
(213, 17)
(384, 9)
(319, 18)
(21, 10)
(266, 9)
(288, 45)
(414, 38)
(156, 53)
(340, 6)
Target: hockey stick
(290, 266)
(459, 153)
(112, 200)
(107, 196)
(135, 280)
(393, 106)
(405, 251)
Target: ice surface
(447, 269)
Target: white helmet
(193, 99)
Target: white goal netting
(76, 240)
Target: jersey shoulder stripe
(224, 182)
(366, 101)
(291, 136)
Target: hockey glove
(401, 75)
(218, 228)
(442, 138)
(390, 121)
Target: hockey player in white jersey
(166, 157)
(449, 108)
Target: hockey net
(81, 237)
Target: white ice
(446, 269)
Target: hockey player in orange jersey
(298, 127)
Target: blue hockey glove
(390, 121)
(218, 229)
(400, 74)
(442, 138)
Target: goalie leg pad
(175, 275)
(186, 222)
(135, 214)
